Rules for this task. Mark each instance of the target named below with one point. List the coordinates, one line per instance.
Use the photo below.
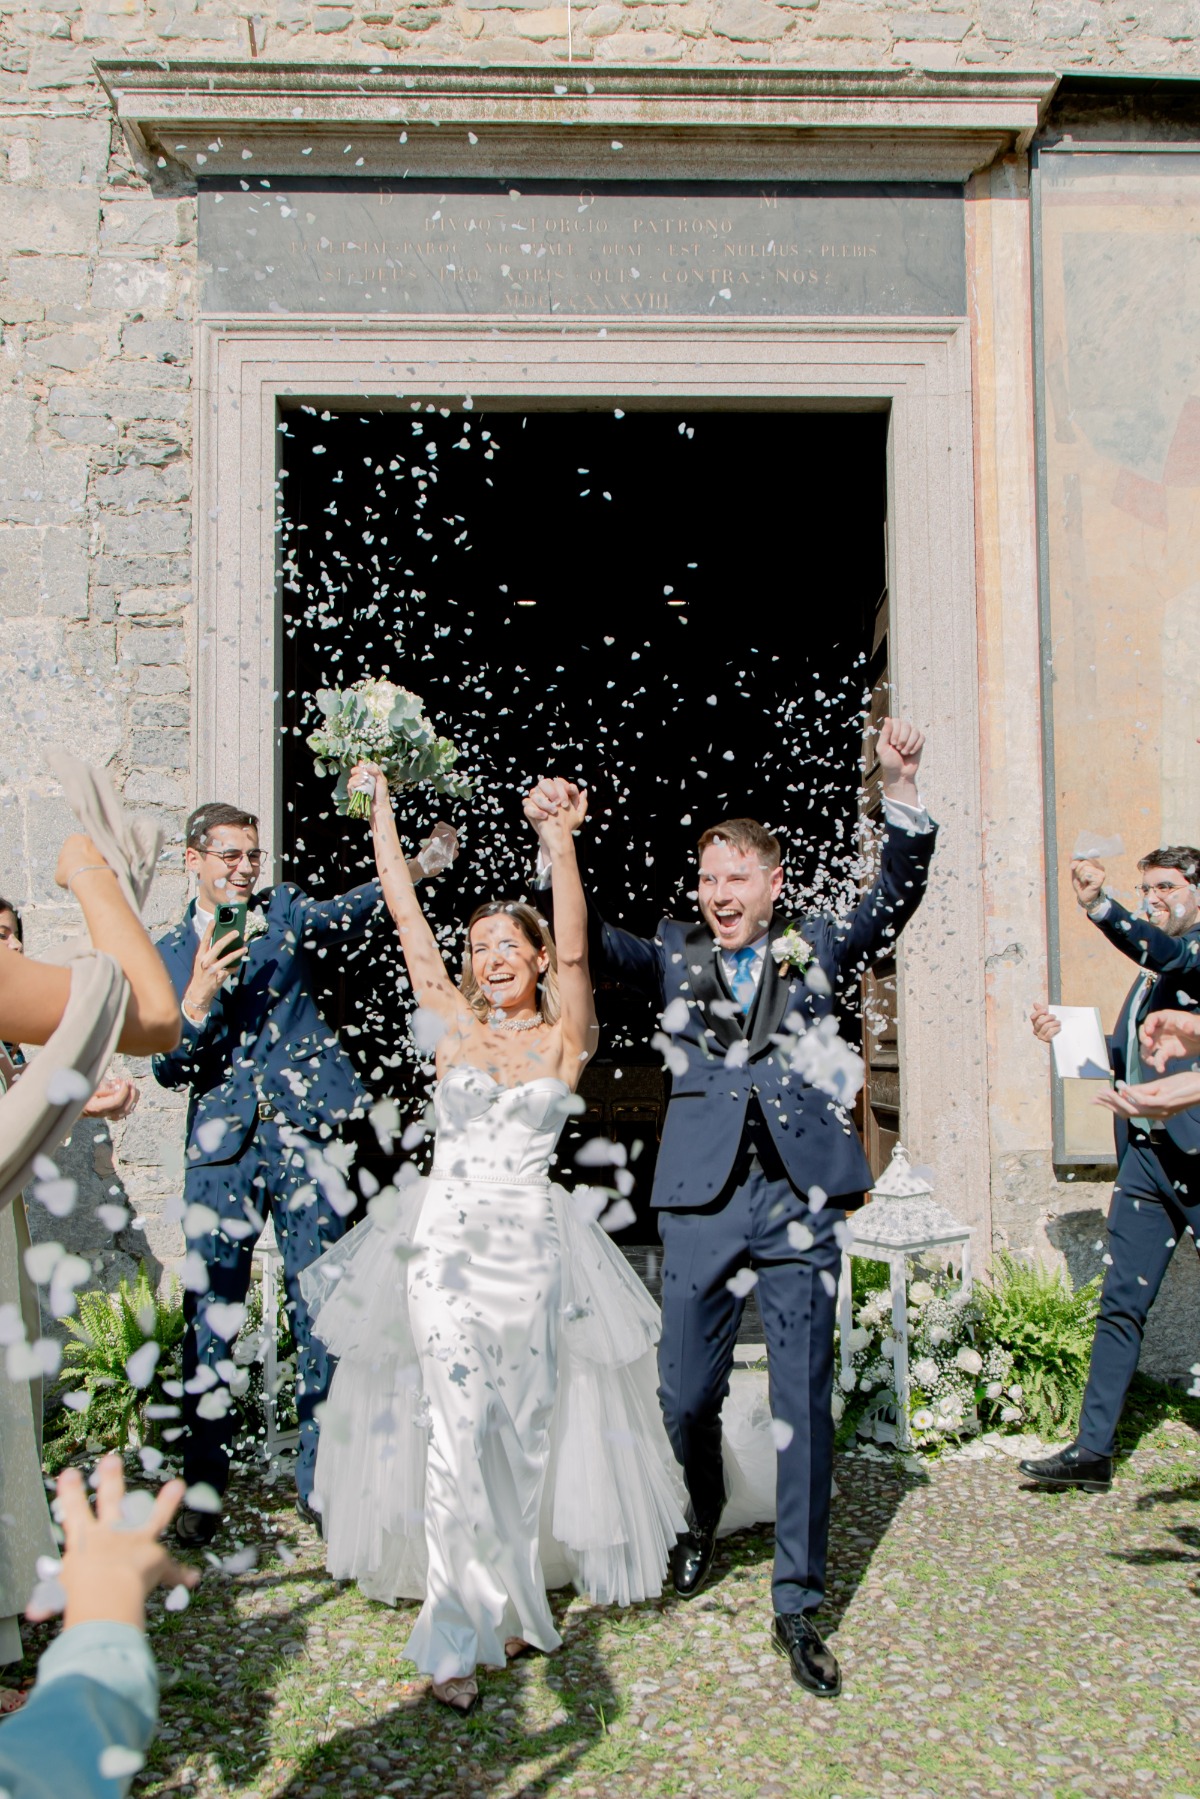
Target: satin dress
(493, 1426)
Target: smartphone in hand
(230, 916)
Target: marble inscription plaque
(709, 252)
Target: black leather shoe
(194, 1529)
(691, 1558)
(813, 1663)
(309, 1513)
(1072, 1467)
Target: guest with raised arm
(34, 995)
(1157, 1190)
(269, 1086)
(123, 999)
(483, 1303)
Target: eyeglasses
(233, 858)
(1146, 889)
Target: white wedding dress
(493, 1426)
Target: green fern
(1047, 1327)
(109, 1328)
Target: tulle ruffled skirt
(504, 1322)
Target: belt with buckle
(266, 1109)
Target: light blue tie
(742, 980)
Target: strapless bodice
(502, 1135)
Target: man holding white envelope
(1157, 1192)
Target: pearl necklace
(500, 1022)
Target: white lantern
(902, 1219)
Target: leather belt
(266, 1110)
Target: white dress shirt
(729, 962)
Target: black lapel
(771, 1002)
(705, 985)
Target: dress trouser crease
(271, 1174)
(1155, 1200)
(702, 1251)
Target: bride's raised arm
(432, 986)
(580, 1029)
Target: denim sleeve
(86, 1724)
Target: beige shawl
(39, 1111)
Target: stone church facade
(1044, 449)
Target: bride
(492, 1428)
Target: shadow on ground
(502, 1736)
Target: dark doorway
(679, 609)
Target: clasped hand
(556, 808)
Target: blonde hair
(747, 836)
(535, 930)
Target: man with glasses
(1157, 1193)
(269, 1086)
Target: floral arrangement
(792, 951)
(376, 721)
(959, 1382)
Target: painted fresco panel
(1120, 246)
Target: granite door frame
(919, 370)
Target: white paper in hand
(1080, 1052)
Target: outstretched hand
(1170, 1037)
(109, 1566)
(1154, 1099)
(114, 1098)
(899, 752)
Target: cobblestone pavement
(995, 1640)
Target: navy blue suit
(746, 1140)
(1156, 1196)
(269, 1085)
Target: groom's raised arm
(908, 844)
(613, 954)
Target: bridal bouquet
(376, 721)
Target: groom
(758, 1167)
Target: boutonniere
(256, 924)
(793, 952)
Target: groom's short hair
(746, 835)
(209, 818)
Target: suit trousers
(1155, 1200)
(271, 1174)
(702, 1251)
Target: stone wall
(47, 48)
(97, 283)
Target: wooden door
(880, 1100)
